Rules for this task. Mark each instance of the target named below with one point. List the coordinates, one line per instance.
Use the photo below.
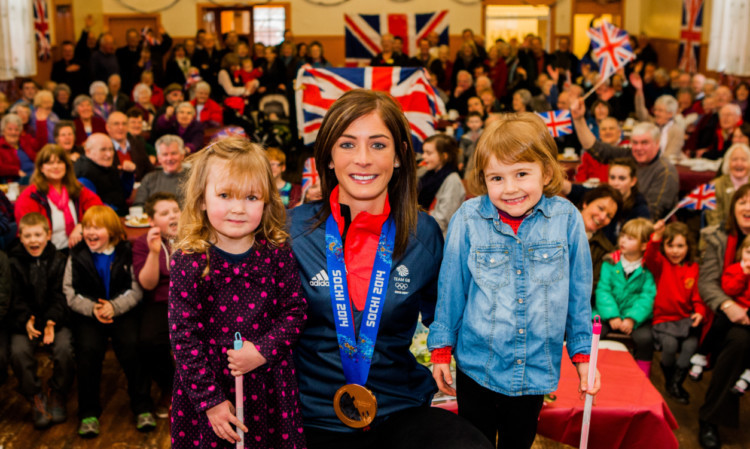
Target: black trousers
(91, 341)
(23, 359)
(509, 420)
(730, 359)
(419, 427)
(155, 349)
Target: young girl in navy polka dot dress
(234, 271)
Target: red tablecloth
(629, 411)
(690, 179)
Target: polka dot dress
(261, 298)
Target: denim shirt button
(519, 361)
(492, 260)
(520, 300)
(520, 331)
(518, 272)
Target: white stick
(676, 208)
(239, 396)
(593, 89)
(586, 423)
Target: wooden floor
(118, 429)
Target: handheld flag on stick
(591, 380)
(239, 401)
(558, 122)
(701, 198)
(611, 49)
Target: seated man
(714, 141)
(459, 97)
(127, 147)
(97, 172)
(657, 177)
(170, 151)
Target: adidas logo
(320, 279)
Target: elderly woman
(23, 110)
(207, 110)
(521, 101)
(64, 134)
(721, 406)
(181, 121)
(170, 151)
(62, 106)
(142, 97)
(87, 123)
(17, 150)
(55, 193)
(365, 135)
(99, 91)
(736, 172)
(43, 119)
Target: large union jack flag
(558, 122)
(362, 32)
(702, 197)
(41, 28)
(319, 88)
(690, 35)
(611, 48)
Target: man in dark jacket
(68, 70)
(96, 171)
(127, 147)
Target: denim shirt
(506, 302)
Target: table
(133, 233)
(690, 179)
(629, 411)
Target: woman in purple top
(181, 121)
(234, 271)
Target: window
(269, 23)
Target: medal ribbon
(356, 352)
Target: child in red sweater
(678, 308)
(735, 281)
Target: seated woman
(99, 91)
(181, 121)
(369, 207)
(721, 406)
(622, 176)
(170, 151)
(665, 117)
(87, 123)
(23, 110)
(62, 106)
(440, 190)
(233, 85)
(17, 150)
(142, 97)
(55, 193)
(64, 134)
(208, 112)
(609, 133)
(736, 169)
(43, 119)
(600, 110)
(521, 101)
(316, 57)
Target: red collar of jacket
(360, 246)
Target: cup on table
(453, 114)
(449, 131)
(570, 153)
(135, 212)
(13, 191)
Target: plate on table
(564, 158)
(133, 222)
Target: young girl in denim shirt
(514, 282)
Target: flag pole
(593, 89)
(669, 215)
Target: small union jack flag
(310, 175)
(701, 198)
(41, 27)
(558, 122)
(610, 48)
(690, 35)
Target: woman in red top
(86, 122)
(56, 193)
(17, 149)
(678, 308)
(209, 111)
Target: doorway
(516, 21)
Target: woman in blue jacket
(367, 252)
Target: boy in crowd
(39, 313)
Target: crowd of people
(116, 127)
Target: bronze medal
(355, 405)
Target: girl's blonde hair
(517, 138)
(745, 243)
(639, 228)
(105, 217)
(247, 169)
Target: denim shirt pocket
(546, 260)
(492, 267)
